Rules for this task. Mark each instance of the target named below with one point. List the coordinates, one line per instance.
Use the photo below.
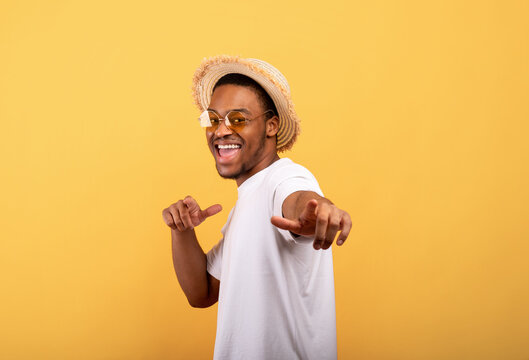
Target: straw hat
(272, 81)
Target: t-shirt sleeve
(214, 259)
(295, 178)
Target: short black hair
(246, 81)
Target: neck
(263, 163)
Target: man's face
(248, 145)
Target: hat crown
(272, 71)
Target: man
(272, 271)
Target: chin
(228, 173)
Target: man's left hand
(319, 218)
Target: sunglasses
(234, 120)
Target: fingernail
(317, 246)
(339, 242)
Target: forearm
(190, 265)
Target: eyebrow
(243, 110)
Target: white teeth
(231, 146)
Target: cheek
(208, 138)
(253, 137)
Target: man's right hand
(186, 214)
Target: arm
(307, 213)
(189, 260)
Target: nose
(222, 129)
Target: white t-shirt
(276, 297)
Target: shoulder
(287, 177)
(285, 169)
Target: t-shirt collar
(258, 175)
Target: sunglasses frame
(227, 122)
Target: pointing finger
(310, 209)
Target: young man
(272, 271)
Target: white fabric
(276, 298)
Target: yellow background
(414, 119)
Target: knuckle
(330, 239)
(182, 208)
(175, 205)
(334, 223)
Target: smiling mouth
(226, 152)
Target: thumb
(286, 224)
(210, 211)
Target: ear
(272, 126)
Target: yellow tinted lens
(214, 119)
(237, 119)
